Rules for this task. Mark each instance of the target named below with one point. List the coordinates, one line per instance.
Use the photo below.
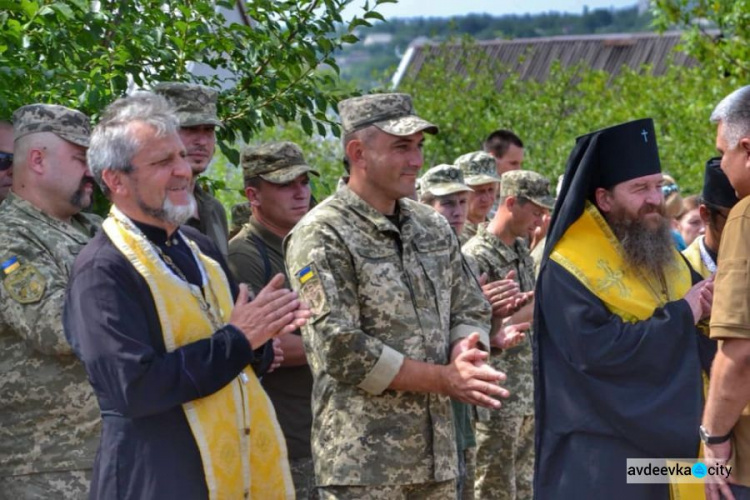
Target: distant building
(377, 39)
(532, 58)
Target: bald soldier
(49, 419)
(195, 107)
(398, 319)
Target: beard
(647, 246)
(174, 215)
(78, 199)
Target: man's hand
(716, 454)
(510, 336)
(504, 295)
(469, 378)
(278, 355)
(274, 311)
(700, 297)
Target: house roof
(532, 58)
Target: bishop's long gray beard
(647, 248)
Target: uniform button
(247, 431)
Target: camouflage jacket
(49, 417)
(496, 259)
(380, 294)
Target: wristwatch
(707, 438)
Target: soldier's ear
(35, 160)
(252, 196)
(355, 151)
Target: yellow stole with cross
(240, 442)
(631, 296)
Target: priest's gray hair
(734, 113)
(113, 142)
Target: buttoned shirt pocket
(434, 259)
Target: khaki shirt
(212, 220)
(380, 293)
(730, 314)
(497, 259)
(49, 417)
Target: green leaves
(274, 59)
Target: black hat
(716, 187)
(603, 158)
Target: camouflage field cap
(276, 162)
(443, 180)
(70, 124)
(478, 168)
(530, 185)
(392, 113)
(193, 104)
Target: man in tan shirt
(725, 429)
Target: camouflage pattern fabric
(240, 214)
(478, 168)
(392, 113)
(71, 125)
(303, 475)
(469, 231)
(495, 448)
(380, 293)
(49, 417)
(443, 180)
(277, 162)
(193, 104)
(505, 458)
(527, 184)
(444, 490)
(72, 485)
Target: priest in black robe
(617, 354)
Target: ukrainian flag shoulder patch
(312, 291)
(305, 274)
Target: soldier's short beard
(646, 248)
(77, 200)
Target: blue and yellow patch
(305, 274)
(23, 283)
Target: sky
(446, 8)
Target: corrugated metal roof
(532, 58)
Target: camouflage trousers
(467, 464)
(443, 490)
(303, 475)
(505, 458)
(66, 485)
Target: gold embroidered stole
(241, 445)
(592, 253)
(633, 296)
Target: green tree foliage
(717, 32)
(86, 53)
(573, 101)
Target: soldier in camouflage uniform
(505, 439)
(49, 417)
(240, 214)
(277, 184)
(481, 176)
(397, 318)
(195, 107)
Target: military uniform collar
(508, 253)
(381, 222)
(268, 236)
(15, 202)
